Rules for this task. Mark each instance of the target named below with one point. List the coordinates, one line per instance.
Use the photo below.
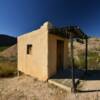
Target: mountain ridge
(6, 40)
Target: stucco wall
(36, 63)
(42, 63)
(52, 56)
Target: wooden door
(60, 55)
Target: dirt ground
(28, 88)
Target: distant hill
(9, 52)
(6, 40)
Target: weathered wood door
(60, 55)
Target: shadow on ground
(91, 75)
(78, 73)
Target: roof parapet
(47, 25)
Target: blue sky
(22, 16)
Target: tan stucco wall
(36, 63)
(52, 56)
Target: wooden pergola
(73, 32)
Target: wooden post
(86, 54)
(72, 65)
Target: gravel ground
(28, 88)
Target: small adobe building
(45, 51)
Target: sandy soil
(28, 88)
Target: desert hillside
(8, 55)
(9, 52)
(93, 44)
(8, 46)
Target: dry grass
(27, 88)
(3, 48)
(8, 66)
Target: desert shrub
(79, 60)
(93, 60)
(98, 49)
(97, 39)
(13, 59)
(7, 67)
(92, 54)
(3, 48)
